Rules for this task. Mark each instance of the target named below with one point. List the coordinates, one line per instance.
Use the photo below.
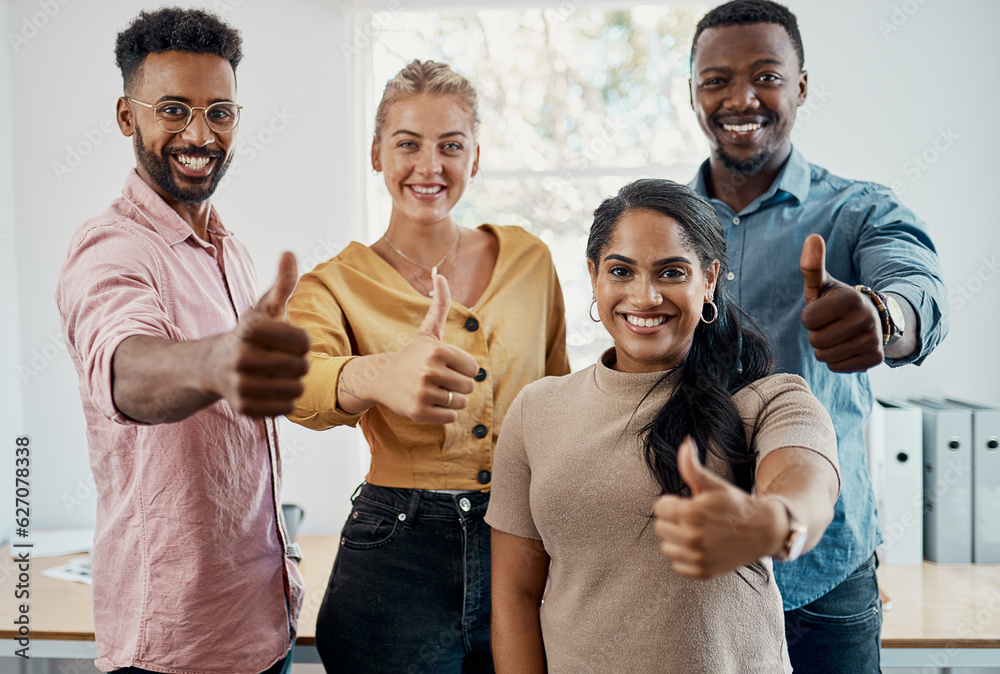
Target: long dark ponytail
(726, 355)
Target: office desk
(942, 615)
(62, 621)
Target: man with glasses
(180, 370)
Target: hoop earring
(591, 312)
(715, 312)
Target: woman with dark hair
(684, 413)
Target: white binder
(985, 481)
(896, 463)
(947, 482)
(875, 444)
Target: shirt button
(471, 324)
(481, 375)
(479, 431)
(730, 276)
(484, 477)
(354, 515)
(401, 517)
(464, 504)
(736, 220)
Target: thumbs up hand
(719, 528)
(272, 303)
(844, 327)
(437, 316)
(427, 380)
(261, 363)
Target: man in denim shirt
(875, 294)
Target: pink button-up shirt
(190, 571)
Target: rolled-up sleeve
(109, 289)
(314, 308)
(895, 254)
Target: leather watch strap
(883, 311)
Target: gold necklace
(456, 246)
(397, 251)
(454, 265)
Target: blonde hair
(426, 77)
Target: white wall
(899, 76)
(886, 98)
(11, 414)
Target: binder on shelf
(875, 444)
(896, 464)
(985, 481)
(947, 432)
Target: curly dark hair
(174, 29)
(742, 12)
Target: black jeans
(410, 588)
(839, 632)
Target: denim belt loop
(357, 491)
(411, 509)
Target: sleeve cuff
(317, 408)
(923, 307)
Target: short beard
(158, 168)
(747, 167)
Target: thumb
(274, 300)
(437, 315)
(813, 266)
(694, 474)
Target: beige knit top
(569, 471)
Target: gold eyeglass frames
(174, 116)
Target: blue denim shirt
(873, 240)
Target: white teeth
(645, 322)
(741, 128)
(193, 162)
(426, 190)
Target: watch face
(798, 543)
(895, 314)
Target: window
(574, 103)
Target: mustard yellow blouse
(356, 304)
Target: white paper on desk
(53, 542)
(76, 569)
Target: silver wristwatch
(798, 532)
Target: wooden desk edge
(43, 635)
(928, 644)
(311, 640)
(316, 570)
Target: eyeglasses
(174, 116)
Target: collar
(792, 183)
(617, 383)
(161, 217)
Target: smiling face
(428, 153)
(745, 89)
(183, 167)
(650, 290)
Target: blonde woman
(424, 338)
